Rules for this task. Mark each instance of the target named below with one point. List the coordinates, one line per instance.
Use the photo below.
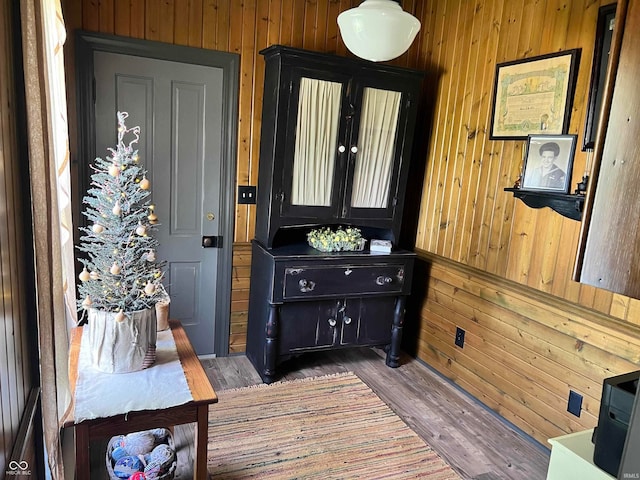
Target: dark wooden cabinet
(351, 173)
(303, 300)
(335, 149)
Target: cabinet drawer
(319, 281)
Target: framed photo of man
(548, 163)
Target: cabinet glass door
(376, 148)
(316, 138)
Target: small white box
(380, 246)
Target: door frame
(86, 43)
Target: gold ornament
(150, 288)
(135, 157)
(84, 275)
(117, 210)
(115, 269)
(145, 184)
(86, 303)
(97, 228)
(120, 316)
(153, 218)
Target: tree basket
(122, 346)
(115, 442)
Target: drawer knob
(347, 320)
(332, 322)
(306, 285)
(382, 280)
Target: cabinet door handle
(346, 320)
(332, 322)
(306, 285)
(354, 149)
(382, 280)
(341, 148)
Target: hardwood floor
(471, 438)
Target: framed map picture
(534, 95)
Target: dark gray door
(179, 108)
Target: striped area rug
(332, 427)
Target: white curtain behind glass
(376, 141)
(316, 138)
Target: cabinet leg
(271, 344)
(393, 354)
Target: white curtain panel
(376, 143)
(316, 138)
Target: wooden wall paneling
(463, 370)
(181, 24)
(90, 16)
(274, 23)
(542, 377)
(499, 206)
(509, 360)
(237, 44)
(195, 23)
(532, 341)
(122, 18)
(469, 138)
(240, 297)
(434, 188)
(530, 338)
(297, 25)
(593, 331)
(106, 16)
(152, 20)
(138, 19)
(223, 27)
(545, 252)
(485, 194)
(633, 310)
(458, 180)
(430, 193)
(211, 25)
(166, 25)
(563, 284)
(332, 37)
(449, 134)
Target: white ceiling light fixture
(378, 30)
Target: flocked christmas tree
(121, 273)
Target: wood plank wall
(466, 220)
(16, 380)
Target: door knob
(210, 216)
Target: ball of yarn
(160, 434)
(153, 470)
(139, 443)
(117, 453)
(127, 466)
(138, 476)
(162, 454)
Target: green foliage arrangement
(121, 273)
(327, 240)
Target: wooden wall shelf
(567, 205)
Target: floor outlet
(459, 337)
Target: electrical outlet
(459, 337)
(246, 194)
(575, 403)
